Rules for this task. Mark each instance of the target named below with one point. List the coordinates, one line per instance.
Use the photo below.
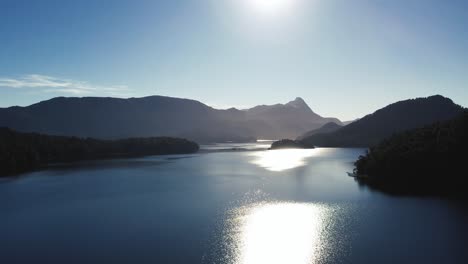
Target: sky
(344, 58)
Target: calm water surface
(239, 207)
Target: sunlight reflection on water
(280, 232)
(283, 159)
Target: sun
(270, 7)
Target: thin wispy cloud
(51, 84)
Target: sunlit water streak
(278, 232)
(283, 159)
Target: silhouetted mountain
(288, 120)
(20, 152)
(429, 160)
(397, 117)
(111, 118)
(327, 128)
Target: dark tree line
(431, 160)
(20, 152)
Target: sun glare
(270, 7)
(284, 159)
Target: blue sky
(345, 58)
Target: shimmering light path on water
(222, 206)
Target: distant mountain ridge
(281, 120)
(394, 118)
(113, 118)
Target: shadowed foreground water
(240, 207)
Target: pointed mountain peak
(298, 103)
(299, 99)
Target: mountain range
(114, 118)
(383, 123)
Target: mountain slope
(397, 117)
(113, 118)
(327, 128)
(426, 161)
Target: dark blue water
(285, 206)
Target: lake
(220, 206)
